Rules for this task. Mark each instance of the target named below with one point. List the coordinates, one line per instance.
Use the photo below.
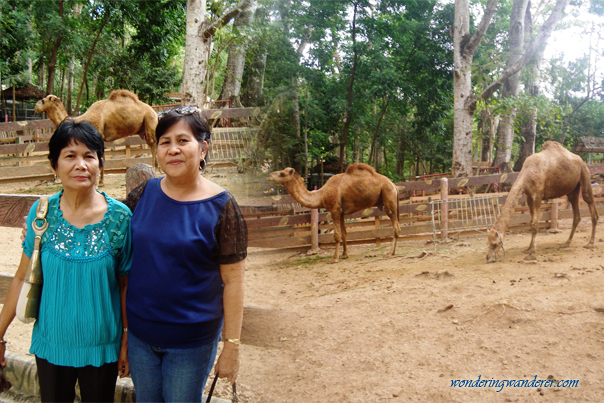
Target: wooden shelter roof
(26, 93)
(590, 145)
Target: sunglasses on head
(181, 110)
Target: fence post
(378, 240)
(444, 208)
(314, 232)
(554, 215)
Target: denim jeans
(169, 374)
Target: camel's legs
(390, 206)
(337, 220)
(588, 197)
(573, 198)
(535, 202)
(343, 231)
(397, 233)
(531, 205)
(397, 230)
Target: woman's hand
(123, 366)
(228, 363)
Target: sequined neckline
(87, 227)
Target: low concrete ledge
(22, 372)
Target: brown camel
(552, 173)
(120, 115)
(359, 188)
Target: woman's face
(178, 151)
(77, 167)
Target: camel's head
(495, 244)
(46, 103)
(282, 177)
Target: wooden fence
(280, 222)
(24, 156)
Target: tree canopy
(347, 80)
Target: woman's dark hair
(193, 118)
(68, 132)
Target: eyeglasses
(181, 110)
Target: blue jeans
(169, 374)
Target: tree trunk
(400, 157)
(505, 132)
(489, 131)
(198, 45)
(41, 76)
(464, 47)
(85, 73)
(236, 61)
(137, 174)
(528, 130)
(52, 61)
(298, 150)
(29, 69)
(253, 94)
(377, 130)
(197, 51)
(348, 113)
(70, 87)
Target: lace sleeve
(135, 195)
(231, 234)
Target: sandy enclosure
(373, 329)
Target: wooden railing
(280, 222)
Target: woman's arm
(232, 278)
(122, 362)
(10, 304)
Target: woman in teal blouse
(85, 256)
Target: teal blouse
(80, 320)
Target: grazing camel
(552, 173)
(120, 115)
(359, 188)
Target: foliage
(16, 31)
(401, 56)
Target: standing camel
(359, 188)
(120, 115)
(552, 173)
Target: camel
(359, 188)
(120, 115)
(554, 172)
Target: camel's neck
(56, 115)
(296, 189)
(509, 207)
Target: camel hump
(355, 168)
(550, 144)
(122, 93)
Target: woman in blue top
(185, 288)
(85, 258)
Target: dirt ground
(375, 329)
